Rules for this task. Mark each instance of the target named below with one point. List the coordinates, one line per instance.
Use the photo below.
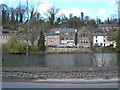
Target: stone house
(52, 39)
(67, 36)
(84, 38)
(4, 37)
(109, 27)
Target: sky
(93, 8)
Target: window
(104, 40)
(81, 35)
(104, 44)
(96, 40)
(81, 41)
(96, 36)
(86, 41)
(62, 38)
(96, 44)
(66, 38)
(101, 44)
(50, 41)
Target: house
(52, 39)
(4, 37)
(99, 39)
(67, 36)
(111, 44)
(84, 38)
(109, 27)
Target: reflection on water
(61, 60)
(106, 59)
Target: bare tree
(51, 14)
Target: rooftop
(24, 38)
(65, 30)
(51, 34)
(109, 25)
(6, 34)
(99, 34)
(95, 30)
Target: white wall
(100, 40)
(111, 42)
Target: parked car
(51, 46)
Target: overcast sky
(92, 8)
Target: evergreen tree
(41, 42)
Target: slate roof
(65, 30)
(24, 38)
(95, 30)
(99, 34)
(6, 34)
(51, 34)
(109, 25)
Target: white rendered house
(101, 39)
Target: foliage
(34, 48)
(16, 46)
(118, 45)
(12, 18)
(4, 49)
(41, 42)
(116, 36)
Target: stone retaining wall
(51, 49)
(59, 73)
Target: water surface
(61, 60)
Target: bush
(16, 46)
(34, 48)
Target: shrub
(16, 46)
(34, 48)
